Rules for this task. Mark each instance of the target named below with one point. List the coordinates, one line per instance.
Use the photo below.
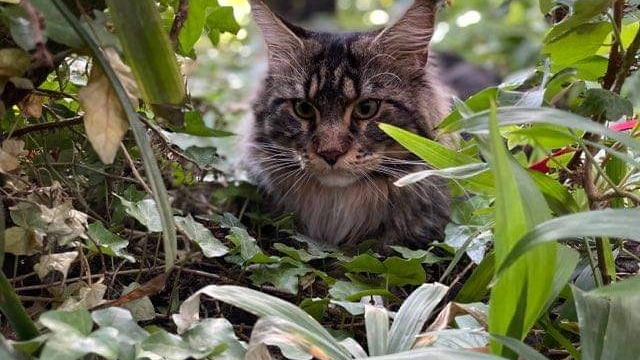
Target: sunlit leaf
(377, 327)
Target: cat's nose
(331, 156)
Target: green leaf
(169, 346)
(194, 25)
(198, 233)
(441, 157)
(213, 338)
(479, 123)
(296, 342)
(194, 125)
(581, 43)
(376, 321)
(222, 19)
(436, 354)
(477, 286)
(412, 316)
(145, 211)
(582, 12)
(262, 305)
(365, 263)
(629, 287)
(522, 349)
(148, 50)
(78, 321)
(56, 27)
(284, 277)
(613, 223)
(521, 294)
(606, 326)
(248, 246)
(401, 272)
(107, 242)
(605, 105)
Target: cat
(314, 145)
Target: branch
(615, 58)
(48, 126)
(628, 61)
(178, 22)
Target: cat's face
(325, 95)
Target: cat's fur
(291, 158)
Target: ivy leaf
(604, 104)
(145, 211)
(283, 276)
(108, 243)
(198, 233)
(403, 272)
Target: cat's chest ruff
(339, 214)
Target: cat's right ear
(283, 39)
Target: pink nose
(331, 156)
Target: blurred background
(502, 36)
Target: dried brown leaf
(9, 153)
(104, 120)
(56, 262)
(20, 241)
(31, 106)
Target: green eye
(304, 109)
(366, 109)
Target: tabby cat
(314, 144)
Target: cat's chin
(336, 179)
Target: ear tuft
(282, 39)
(409, 37)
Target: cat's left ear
(409, 37)
(283, 40)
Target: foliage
(541, 256)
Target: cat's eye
(366, 109)
(304, 109)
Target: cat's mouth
(336, 178)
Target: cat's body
(314, 143)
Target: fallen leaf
(105, 121)
(31, 106)
(56, 262)
(20, 241)
(86, 297)
(64, 223)
(11, 150)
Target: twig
(178, 22)
(615, 58)
(48, 126)
(136, 174)
(627, 63)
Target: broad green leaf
(365, 263)
(437, 354)
(345, 290)
(169, 346)
(261, 305)
(613, 223)
(479, 123)
(107, 242)
(401, 272)
(412, 316)
(198, 233)
(477, 286)
(194, 125)
(295, 342)
(521, 294)
(376, 321)
(454, 339)
(582, 12)
(458, 173)
(148, 50)
(629, 287)
(6, 352)
(222, 19)
(194, 25)
(248, 246)
(441, 157)
(78, 321)
(522, 349)
(607, 325)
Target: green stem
(15, 312)
(150, 164)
